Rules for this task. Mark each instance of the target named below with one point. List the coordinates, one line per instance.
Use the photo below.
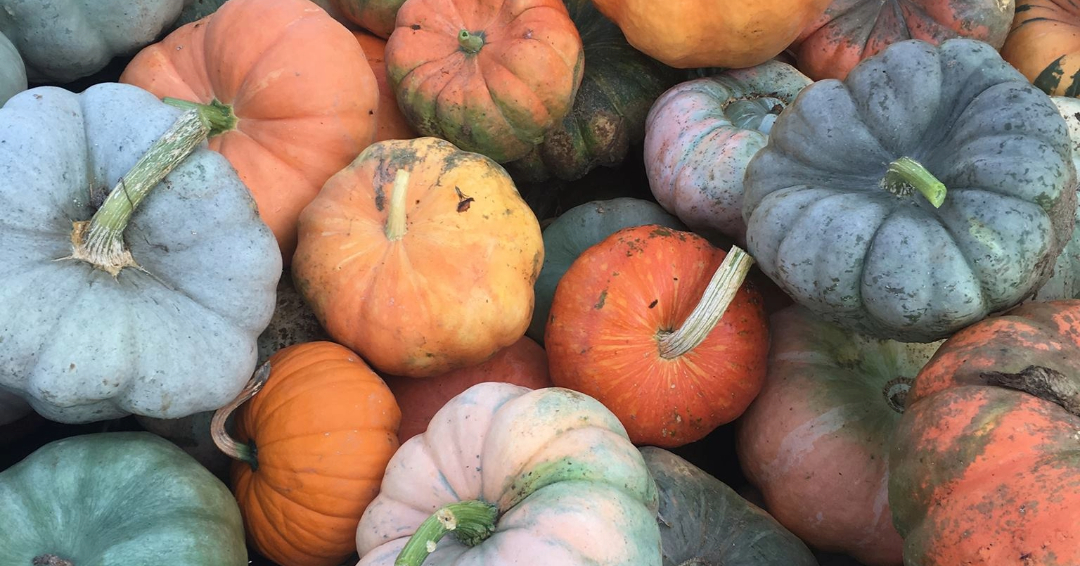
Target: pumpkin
(655, 324)
(121, 299)
(117, 498)
(608, 116)
(13, 408)
(315, 429)
(12, 71)
(1064, 283)
(524, 477)
(852, 30)
(195, 10)
(821, 426)
(1043, 44)
(696, 507)
(489, 76)
(702, 33)
(907, 209)
(294, 96)
(983, 467)
(376, 16)
(392, 124)
(420, 257)
(701, 134)
(577, 230)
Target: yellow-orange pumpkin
(392, 124)
(1044, 44)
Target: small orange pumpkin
(288, 83)
(392, 124)
(311, 449)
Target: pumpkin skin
(701, 33)
(820, 224)
(1065, 281)
(822, 425)
(13, 408)
(522, 363)
(852, 30)
(1043, 44)
(451, 290)
(120, 498)
(569, 486)
(498, 89)
(392, 124)
(12, 71)
(701, 134)
(695, 507)
(603, 334)
(577, 230)
(376, 16)
(324, 427)
(82, 345)
(311, 111)
(965, 443)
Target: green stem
(470, 43)
(711, 308)
(230, 446)
(471, 522)
(219, 115)
(905, 176)
(100, 241)
(396, 220)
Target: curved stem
(1045, 383)
(905, 176)
(219, 115)
(710, 309)
(230, 446)
(100, 241)
(896, 391)
(471, 522)
(395, 221)
(470, 43)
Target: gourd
(392, 124)
(12, 408)
(376, 16)
(12, 71)
(132, 296)
(1043, 45)
(1064, 283)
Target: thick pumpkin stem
(471, 522)
(50, 560)
(896, 392)
(230, 446)
(470, 43)
(1042, 382)
(905, 176)
(220, 116)
(723, 286)
(395, 221)
(696, 562)
(100, 241)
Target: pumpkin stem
(710, 309)
(50, 560)
(230, 446)
(696, 562)
(395, 221)
(219, 115)
(1042, 382)
(905, 176)
(471, 522)
(100, 241)
(896, 392)
(470, 43)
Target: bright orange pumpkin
(706, 33)
(420, 257)
(1044, 45)
(311, 449)
(657, 326)
(392, 124)
(290, 84)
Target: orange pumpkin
(656, 325)
(392, 124)
(490, 76)
(376, 16)
(291, 86)
(310, 451)
(522, 363)
(420, 257)
(1044, 45)
(706, 33)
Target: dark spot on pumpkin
(653, 304)
(600, 302)
(415, 27)
(464, 201)
(380, 198)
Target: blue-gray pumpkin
(107, 311)
(1065, 282)
(12, 71)
(930, 188)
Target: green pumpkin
(12, 71)
(930, 188)
(110, 312)
(706, 523)
(117, 499)
(577, 230)
(608, 117)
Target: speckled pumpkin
(392, 124)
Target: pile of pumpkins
(530, 282)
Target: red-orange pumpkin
(647, 324)
(392, 124)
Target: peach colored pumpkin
(392, 124)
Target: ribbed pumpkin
(984, 469)
(376, 16)
(656, 325)
(1044, 44)
(490, 76)
(420, 257)
(289, 85)
(392, 124)
(311, 449)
